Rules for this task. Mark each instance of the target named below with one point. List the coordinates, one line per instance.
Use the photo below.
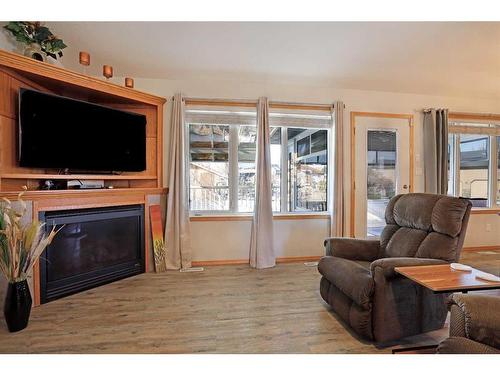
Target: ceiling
(445, 58)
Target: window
(307, 170)
(221, 159)
(300, 142)
(381, 177)
(247, 138)
(209, 167)
(473, 153)
(474, 163)
(222, 152)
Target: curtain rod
(292, 104)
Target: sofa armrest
(353, 249)
(386, 265)
(479, 315)
(461, 345)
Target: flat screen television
(63, 133)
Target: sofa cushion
(425, 226)
(386, 236)
(448, 214)
(404, 242)
(439, 246)
(415, 210)
(351, 278)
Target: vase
(52, 61)
(34, 51)
(17, 306)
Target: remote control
(460, 267)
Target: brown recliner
(359, 281)
(474, 325)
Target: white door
(382, 170)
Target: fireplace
(94, 247)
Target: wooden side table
(442, 279)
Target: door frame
(354, 115)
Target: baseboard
(481, 248)
(226, 262)
(298, 259)
(221, 262)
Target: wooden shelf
(42, 73)
(54, 194)
(42, 176)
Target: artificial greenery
(34, 32)
(20, 244)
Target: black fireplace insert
(94, 247)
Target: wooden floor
(226, 309)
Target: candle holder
(107, 71)
(129, 82)
(84, 59)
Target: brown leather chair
(358, 278)
(474, 325)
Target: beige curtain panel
(177, 231)
(262, 240)
(337, 214)
(436, 151)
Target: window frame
(232, 180)
(458, 127)
(233, 176)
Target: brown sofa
(474, 325)
(358, 278)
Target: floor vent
(311, 264)
(193, 269)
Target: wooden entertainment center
(128, 188)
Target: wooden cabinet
(18, 71)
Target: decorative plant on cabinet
(36, 39)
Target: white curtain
(337, 214)
(177, 231)
(436, 151)
(261, 241)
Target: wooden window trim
(253, 104)
(484, 211)
(488, 117)
(276, 217)
(304, 107)
(220, 102)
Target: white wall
(230, 240)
